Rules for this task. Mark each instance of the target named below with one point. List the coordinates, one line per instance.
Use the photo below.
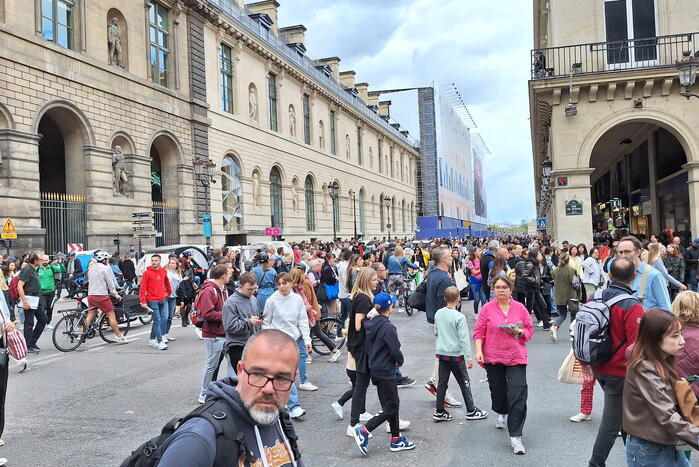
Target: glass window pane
(643, 18)
(615, 16)
(162, 18)
(62, 38)
(47, 29)
(162, 59)
(63, 15)
(151, 14)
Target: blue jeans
(214, 351)
(303, 360)
(171, 305)
(345, 305)
(160, 312)
(293, 401)
(642, 453)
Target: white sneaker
(164, 339)
(153, 343)
(451, 402)
(540, 324)
(338, 410)
(581, 417)
(350, 430)
(162, 346)
(334, 357)
(554, 337)
(365, 417)
(121, 340)
(402, 425)
(297, 412)
(3, 461)
(501, 422)
(517, 446)
(308, 386)
(309, 359)
(202, 398)
(170, 338)
(22, 365)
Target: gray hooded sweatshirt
(237, 312)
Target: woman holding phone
(502, 330)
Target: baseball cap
(71, 253)
(696, 240)
(384, 300)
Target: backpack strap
(644, 279)
(610, 303)
(289, 432)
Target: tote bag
(460, 279)
(331, 291)
(572, 371)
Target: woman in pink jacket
(502, 330)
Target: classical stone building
(186, 108)
(607, 112)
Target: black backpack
(418, 299)
(229, 439)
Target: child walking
(453, 350)
(384, 355)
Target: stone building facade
(607, 112)
(107, 108)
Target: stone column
(19, 188)
(653, 184)
(693, 182)
(575, 229)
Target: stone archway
(165, 154)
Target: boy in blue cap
(384, 355)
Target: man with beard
(254, 400)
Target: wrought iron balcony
(604, 57)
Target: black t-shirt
(30, 278)
(356, 340)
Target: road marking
(88, 348)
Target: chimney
(363, 90)
(347, 79)
(293, 34)
(266, 7)
(333, 63)
(373, 99)
(385, 108)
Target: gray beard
(263, 417)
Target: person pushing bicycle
(100, 288)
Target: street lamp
(334, 192)
(203, 171)
(687, 71)
(546, 167)
(387, 200)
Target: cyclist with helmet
(100, 288)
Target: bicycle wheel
(406, 295)
(146, 319)
(332, 328)
(106, 332)
(67, 334)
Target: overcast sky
(482, 46)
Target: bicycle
(69, 333)
(331, 327)
(405, 290)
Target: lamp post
(334, 192)
(203, 172)
(387, 200)
(687, 71)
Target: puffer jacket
(531, 276)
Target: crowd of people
(516, 285)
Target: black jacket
(128, 269)
(487, 260)
(691, 257)
(531, 275)
(546, 280)
(519, 276)
(383, 347)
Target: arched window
(276, 198)
(310, 206)
(231, 194)
(362, 211)
(336, 213)
(381, 212)
(402, 211)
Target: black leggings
(359, 397)
(388, 396)
(536, 301)
(458, 369)
(348, 394)
(235, 353)
(316, 331)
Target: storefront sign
(273, 231)
(574, 208)
(561, 181)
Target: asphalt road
(93, 406)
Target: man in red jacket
(625, 318)
(212, 296)
(155, 289)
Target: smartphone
(692, 378)
(507, 326)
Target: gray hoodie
(194, 443)
(237, 312)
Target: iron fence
(600, 57)
(240, 16)
(167, 223)
(64, 218)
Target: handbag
(573, 306)
(687, 401)
(332, 291)
(572, 371)
(321, 295)
(16, 345)
(460, 279)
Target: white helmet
(101, 255)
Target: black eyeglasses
(259, 381)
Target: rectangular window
(360, 156)
(333, 136)
(226, 79)
(272, 79)
(158, 31)
(626, 20)
(306, 120)
(57, 22)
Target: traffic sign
(143, 236)
(8, 230)
(75, 247)
(206, 225)
(142, 214)
(388, 226)
(145, 228)
(541, 224)
(141, 222)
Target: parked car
(198, 256)
(250, 251)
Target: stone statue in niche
(321, 136)
(292, 121)
(120, 176)
(295, 199)
(114, 42)
(256, 189)
(252, 95)
(347, 144)
(325, 198)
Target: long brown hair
(655, 325)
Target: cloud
(482, 46)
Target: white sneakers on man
(517, 446)
(334, 357)
(308, 386)
(501, 422)
(157, 345)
